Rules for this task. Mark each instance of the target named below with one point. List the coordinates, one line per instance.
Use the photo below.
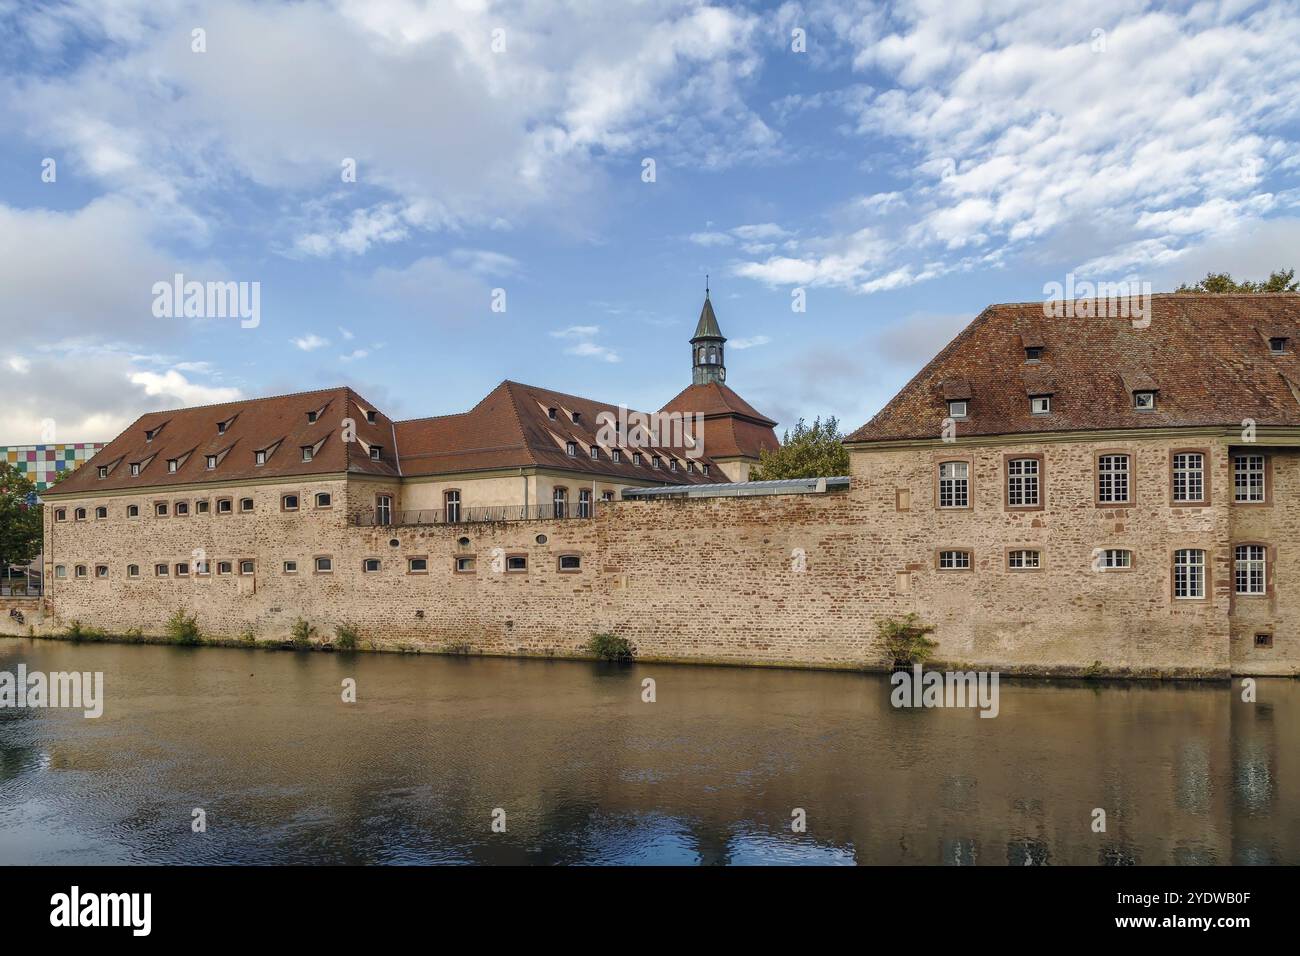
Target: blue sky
(914, 163)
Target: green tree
(20, 521)
(1279, 281)
(812, 451)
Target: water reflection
(588, 773)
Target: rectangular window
(370, 566)
(584, 503)
(133, 570)
(571, 448)
(615, 456)
(1264, 639)
(101, 570)
(103, 471)
(245, 504)
(60, 514)
(595, 452)
(324, 565)
(954, 484)
(224, 506)
(101, 513)
(291, 567)
(1189, 573)
(132, 511)
(201, 507)
(1024, 560)
(1251, 569)
(60, 571)
(516, 562)
(1277, 345)
(259, 458)
(954, 560)
(1189, 476)
(289, 503)
(172, 464)
(384, 509)
(224, 567)
(212, 462)
(376, 453)
(1040, 405)
(182, 508)
(1113, 479)
(79, 571)
(957, 409)
(1248, 478)
(307, 452)
(1144, 401)
(464, 564)
(160, 570)
(1113, 558)
(135, 469)
(417, 565)
(451, 500)
(160, 509)
(1022, 483)
(570, 562)
(182, 569)
(247, 567)
(324, 499)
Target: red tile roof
(732, 427)
(1207, 356)
(512, 428)
(279, 425)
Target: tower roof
(707, 327)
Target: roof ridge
(509, 386)
(239, 401)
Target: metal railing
(425, 516)
(20, 590)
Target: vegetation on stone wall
(906, 639)
(611, 647)
(302, 632)
(810, 451)
(345, 637)
(183, 628)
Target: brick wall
(800, 579)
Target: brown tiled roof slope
(190, 435)
(512, 428)
(732, 427)
(1207, 355)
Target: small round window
(541, 539)
(394, 543)
(463, 542)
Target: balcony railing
(426, 516)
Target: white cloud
(748, 343)
(18, 364)
(592, 350)
(173, 387)
(310, 342)
(575, 331)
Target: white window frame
(1110, 476)
(1250, 568)
(958, 407)
(954, 559)
(1189, 574)
(1249, 479)
(1040, 405)
(954, 484)
(1025, 559)
(1024, 489)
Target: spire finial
(706, 285)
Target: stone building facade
(1095, 536)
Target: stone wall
(787, 580)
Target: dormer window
(636, 458)
(1033, 353)
(148, 435)
(672, 464)
(371, 415)
(103, 471)
(1040, 405)
(1277, 344)
(222, 426)
(1144, 401)
(654, 461)
(172, 464)
(259, 457)
(311, 417)
(135, 469)
(576, 416)
(571, 448)
(615, 456)
(212, 462)
(957, 408)
(307, 452)
(550, 413)
(595, 453)
(376, 453)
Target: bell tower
(707, 364)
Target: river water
(580, 769)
